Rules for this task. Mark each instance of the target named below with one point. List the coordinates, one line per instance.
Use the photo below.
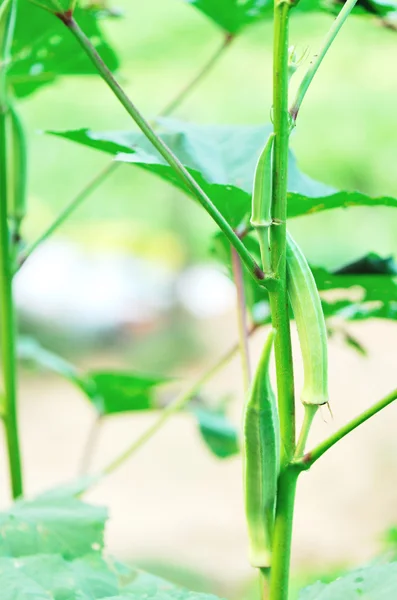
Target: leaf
(55, 6)
(109, 391)
(234, 15)
(44, 50)
(30, 350)
(376, 292)
(369, 583)
(222, 159)
(299, 205)
(118, 392)
(64, 526)
(50, 577)
(217, 431)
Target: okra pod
(261, 217)
(261, 460)
(309, 317)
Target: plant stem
(69, 209)
(174, 407)
(281, 548)
(310, 413)
(9, 364)
(165, 152)
(90, 445)
(198, 77)
(318, 58)
(278, 297)
(238, 277)
(311, 457)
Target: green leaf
(219, 434)
(46, 525)
(234, 15)
(53, 578)
(55, 6)
(376, 288)
(44, 50)
(30, 350)
(377, 582)
(117, 392)
(222, 159)
(109, 391)
(299, 205)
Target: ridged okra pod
(309, 317)
(261, 215)
(261, 459)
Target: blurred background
(129, 282)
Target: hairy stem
(311, 457)
(167, 110)
(8, 333)
(281, 550)
(174, 407)
(69, 209)
(238, 277)
(318, 58)
(189, 181)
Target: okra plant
(251, 199)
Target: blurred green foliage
(345, 135)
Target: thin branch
(238, 277)
(310, 413)
(311, 457)
(70, 208)
(166, 152)
(198, 77)
(169, 411)
(90, 445)
(318, 58)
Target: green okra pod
(261, 217)
(309, 317)
(261, 460)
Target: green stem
(310, 413)
(9, 364)
(90, 445)
(164, 151)
(174, 407)
(198, 77)
(282, 537)
(70, 208)
(238, 277)
(311, 457)
(318, 58)
(278, 297)
(281, 548)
